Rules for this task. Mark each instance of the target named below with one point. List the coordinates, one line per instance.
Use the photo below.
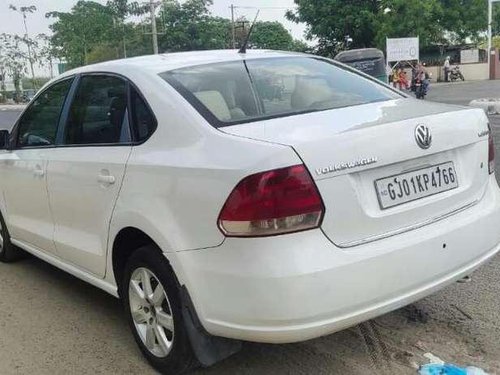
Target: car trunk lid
(347, 150)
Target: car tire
(8, 252)
(155, 316)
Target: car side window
(98, 113)
(38, 125)
(142, 118)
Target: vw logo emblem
(423, 136)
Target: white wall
(471, 72)
(475, 72)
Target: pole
(153, 26)
(490, 17)
(29, 50)
(124, 40)
(233, 31)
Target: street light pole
(154, 32)
(490, 17)
(233, 31)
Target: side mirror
(4, 139)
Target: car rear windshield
(249, 90)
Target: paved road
(8, 117)
(463, 92)
(51, 323)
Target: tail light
(491, 152)
(274, 202)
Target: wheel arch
(125, 243)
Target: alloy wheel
(151, 312)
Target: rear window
(249, 90)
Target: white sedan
(226, 197)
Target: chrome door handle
(106, 179)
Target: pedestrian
(403, 81)
(423, 76)
(447, 69)
(395, 78)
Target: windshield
(249, 90)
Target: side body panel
(24, 187)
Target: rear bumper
(296, 287)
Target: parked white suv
(266, 196)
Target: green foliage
(370, 22)
(331, 21)
(77, 33)
(28, 83)
(411, 19)
(271, 35)
(12, 60)
(189, 26)
(464, 19)
(182, 26)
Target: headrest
(215, 102)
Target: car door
(23, 169)
(85, 171)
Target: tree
(271, 35)
(46, 52)
(77, 33)
(189, 26)
(29, 42)
(411, 19)
(12, 60)
(369, 22)
(464, 19)
(332, 21)
(121, 9)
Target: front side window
(242, 91)
(38, 125)
(98, 113)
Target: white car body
(361, 262)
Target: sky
(271, 10)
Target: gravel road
(51, 323)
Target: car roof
(169, 61)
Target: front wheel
(153, 306)
(8, 253)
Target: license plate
(406, 187)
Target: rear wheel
(8, 253)
(152, 301)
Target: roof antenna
(243, 48)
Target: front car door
(85, 171)
(23, 170)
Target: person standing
(403, 81)
(447, 69)
(395, 78)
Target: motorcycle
(420, 90)
(456, 74)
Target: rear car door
(23, 170)
(85, 172)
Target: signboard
(469, 56)
(402, 49)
